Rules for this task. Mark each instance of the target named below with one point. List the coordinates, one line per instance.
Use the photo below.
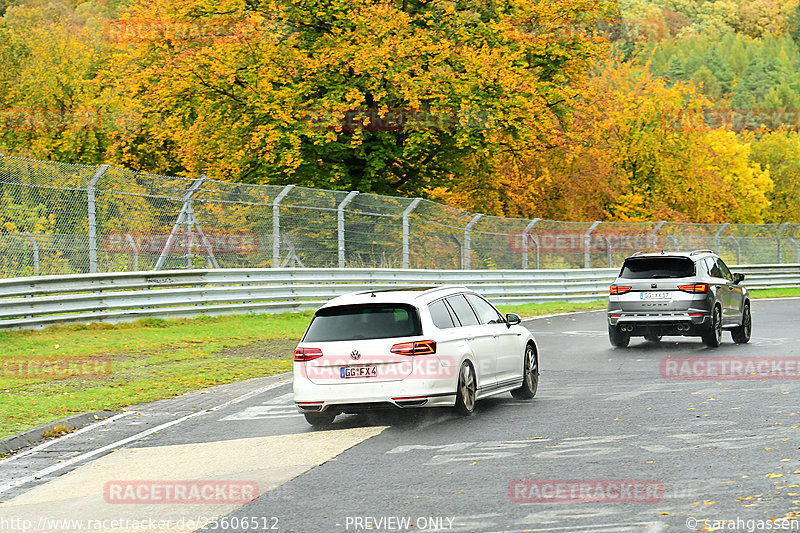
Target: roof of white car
(411, 295)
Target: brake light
(696, 288)
(414, 348)
(619, 289)
(307, 354)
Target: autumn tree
(389, 97)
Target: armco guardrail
(124, 296)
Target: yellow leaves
(774, 475)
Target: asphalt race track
(616, 440)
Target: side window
(725, 272)
(464, 312)
(441, 315)
(715, 270)
(486, 313)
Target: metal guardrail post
(407, 231)
(587, 244)
(276, 226)
(340, 224)
(654, 233)
(90, 201)
(467, 239)
(717, 236)
(526, 234)
(35, 248)
(781, 231)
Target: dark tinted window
(715, 271)
(657, 267)
(350, 322)
(486, 313)
(441, 315)
(463, 310)
(723, 268)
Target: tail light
(414, 348)
(307, 354)
(695, 288)
(619, 289)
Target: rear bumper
(691, 323)
(354, 397)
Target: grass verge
(64, 370)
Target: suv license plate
(654, 296)
(358, 371)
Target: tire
(741, 335)
(530, 375)
(712, 336)
(619, 339)
(319, 420)
(652, 337)
(467, 390)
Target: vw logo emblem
(355, 354)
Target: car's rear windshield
(373, 321)
(657, 267)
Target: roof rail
(697, 252)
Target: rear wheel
(619, 339)
(467, 388)
(319, 420)
(652, 337)
(741, 335)
(712, 337)
(530, 375)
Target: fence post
(90, 199)
(655, 232)
(525, 236)
(781, 230)
(135, 251)
(467, 240)
(276, 226)
(184, 217)
(340, 224)
(587, 244)
(717, 236)
(406, 231)
(35, 248)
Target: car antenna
(372, 294)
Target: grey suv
(677, 293)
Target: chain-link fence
(58, 219)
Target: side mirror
(512, 319)
(738, 278)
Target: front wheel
(618, 339)
(712, 337)
(530, 375)
(741, 335)
(467, 388)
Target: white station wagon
(412, 347)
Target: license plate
(654, 296)
(358, 371)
